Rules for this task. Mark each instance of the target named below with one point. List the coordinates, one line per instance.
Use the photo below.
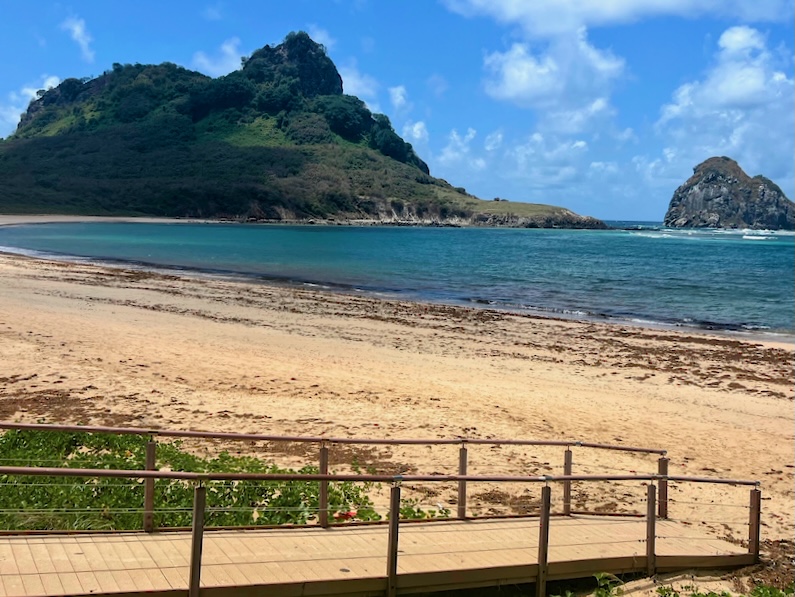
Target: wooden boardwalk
(350, 560)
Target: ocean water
(738, 281)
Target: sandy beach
(113, 346)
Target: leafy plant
(768, 591)
(411, 508)
(608, 585)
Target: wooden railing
(200, 480)
(325, 444)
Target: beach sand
(113, 346)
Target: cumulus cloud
(79, 33)
(569, 81)
(321, 36)
(493, 141)
(226, 60)
(416, 132)
(361, 85)
(399, 97)
(528, 170)
(549, 18)
(740, 107)
(458, 150)
(17, 102)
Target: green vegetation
(32, 502)
(608, 585)
(275, 140)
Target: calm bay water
(720, 280)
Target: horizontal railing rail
(320, 439)
(221, 476)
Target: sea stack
(721, 195)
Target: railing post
(662, 470)
(394, 525)
(197, 536)
(462, 485)
(754, 523)
(651, 530)
(149, 488)
(323, 497)
(567, 466)
(543, 541)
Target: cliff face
(721, 195)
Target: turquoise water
(741, 281)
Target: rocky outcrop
(561, 219)
(386, 215)
(721, 195)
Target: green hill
(275, 140)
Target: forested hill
(276, 140)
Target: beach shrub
(72, 503)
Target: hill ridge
(275, 140)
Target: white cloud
(358, 84)
(17, 103)
(321, 36)
(741, 107)
(79, 33)
(568, 82)
(361, 85)
(399, 97)
(740, 40)
(602, 168)
(575, 120)
(545, 18)
(416, 132)
(224, 62)
(493, 141)
(543, 162)
(570, 68)
(628, 134)
(458, 147)
(520, 77)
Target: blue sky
(602, 106)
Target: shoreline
(783, 338)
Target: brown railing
(201, 479)
(325, 443)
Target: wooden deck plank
(124, 580)
(23, 558)
(32, 584)
(440, 554)
(52, 584)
